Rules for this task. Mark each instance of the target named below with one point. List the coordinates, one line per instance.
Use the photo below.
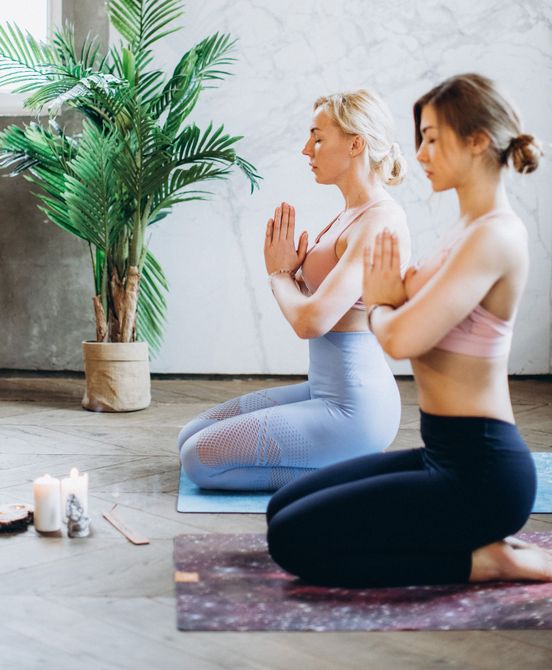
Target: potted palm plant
(134, 158)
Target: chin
(440, 187)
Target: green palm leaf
(191, 147)
(201, 64)
(68, 88)
(92, 194)
(143, 22)
(24, 60)
(152, 304)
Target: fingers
(386, 250)
(287, 226)
(302, 247)
(277, 224)
(291, 224)
(386, 255)
(269, 231)
(410, 272)
(395, 254)
(367, 258)
(377, 253)
(285, 221)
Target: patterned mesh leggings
(262, 440)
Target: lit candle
(47, 516)
(77, 484)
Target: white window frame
(11, 104)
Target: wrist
(373, 308)
(281, 272)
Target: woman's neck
(358, 190)
(480, 194)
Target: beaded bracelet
(282, 271)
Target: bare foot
(511, 559)
(517, 543)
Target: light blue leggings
(350, 406)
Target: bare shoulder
(386, 213)
(499, 241)
(501, 232)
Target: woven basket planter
(117, 376)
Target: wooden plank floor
(102, 603)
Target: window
(38, 17)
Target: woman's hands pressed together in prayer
(279, 248)
(383, 284)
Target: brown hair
(469, 103)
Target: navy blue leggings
(406, 517)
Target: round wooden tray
(15, 516)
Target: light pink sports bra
(321, 258)
(481, 333)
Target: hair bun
(523, 153)
(393, 167)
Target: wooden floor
(102, 603)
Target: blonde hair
(364, 113)
(469, 103)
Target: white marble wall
(222, 315)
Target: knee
(184, 435)
(196, 471)
(275, 504)
(275, 539)
(282, 546)
(190, 429)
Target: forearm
(294, 304)
(382, 321)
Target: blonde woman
(445, 512)
(350, 404)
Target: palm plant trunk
(122, 309)
(101, 321)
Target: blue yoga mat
(193, 499)
(543, 501)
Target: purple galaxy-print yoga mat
(229, 582)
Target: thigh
(405, 511)
(245, 404)
(347, 471)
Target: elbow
(308, 326)
(307, 331)
(394, 344)
(395, 351)
(400, 348)
(392, 348)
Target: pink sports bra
(481, 333)
(321, 258)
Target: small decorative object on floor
(77, 484)
(47, 512)
(78, 524)
(130, 535)
(15, 517)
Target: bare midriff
(451, 384)
(352, 321)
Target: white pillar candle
(77, 484)
(46, 491)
